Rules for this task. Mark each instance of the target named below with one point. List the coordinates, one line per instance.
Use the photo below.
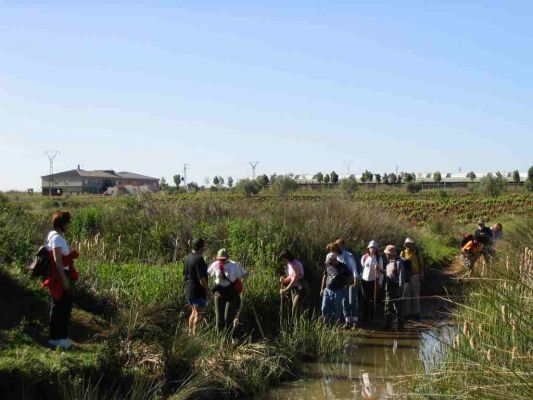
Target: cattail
(457, 342)
(472, 343)
(514, 324)
(504, 313)
(514, 353)
(466, 329)
(480, 330)
(489, 355)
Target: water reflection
(370, 367)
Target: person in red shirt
(62, 274)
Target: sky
(300, 86)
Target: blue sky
(300, 86)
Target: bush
(493, 186)
(248, 187)
(349, 186)
(413, 187)
(284, 185)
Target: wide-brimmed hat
(390, 249)
(330, 257)
(222, 254)
(372, 244)
(409, 240)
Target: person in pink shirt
(293, 282)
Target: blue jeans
(350, 304)
(332, 305)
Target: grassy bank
(130, 306)
(491, 355)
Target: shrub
(493, 186)
(248, 187)
(413, 187)
(349, 186)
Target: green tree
(193, 187)
(319, 176)
(529, 180)
(273, 178)
(472, 176)
(230, 181)
(326, 179)
(263, 181)
(334, 177)
(385, 178)
(348, 186)
(378, 178)
(177, 180)
(216, 181)
(516, 176)
(248, 187)
(437, 177)
(163, 185)
(493, 186)
(392, 178)
(284, 185)
(367, 176)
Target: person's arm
(201, 270)
(60, 269)
(323, 285)
(295, 278)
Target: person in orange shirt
(471, 251)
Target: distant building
(96, 182)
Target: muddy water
(368, 368)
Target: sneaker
(54, 343)
(65, 344)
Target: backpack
(407, 264)
(40, 266)
(342, 279)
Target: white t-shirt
(369, 264)
(55, 240)
(232, 270)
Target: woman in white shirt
(372, 264)
(228, 276)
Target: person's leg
(415, 294)
(388, 307)
(327, 306)
(231, 309)
(408, 297)
(220, 307)
(297, 299)
(198, 317)
(55, 319)
(353, 300)
(67, 313)
(346, 309)
(398, 307)
(339, 297)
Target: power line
(51, 154)
(347, 164)
(253, 164)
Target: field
(130, 311)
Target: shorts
(200, 303)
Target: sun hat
(222, 254)
(330, 257)
(390, 249)
(409, 240)
(373, 244)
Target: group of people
(481, 243)
(350, 285)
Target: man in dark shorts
(196, 286)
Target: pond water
(370, 366)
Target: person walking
(226, 274)
(333, 289)
(196, 285)
(411, 253)
(293, 282)
(394, 285)
(372, 277)
(471, 250)
(350, 303)
(59, 282)
(483, 235)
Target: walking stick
(375, 291)
(281, 306)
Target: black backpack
(40, 266)
(407, 264)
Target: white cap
(409, 240)
(373, 244)
(330, 257)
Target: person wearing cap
(196, 286)
(483, 234)
(372, 276)
(412, 288)
(395, 277)
(227, 275)
(350, 302)
(334, 281)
